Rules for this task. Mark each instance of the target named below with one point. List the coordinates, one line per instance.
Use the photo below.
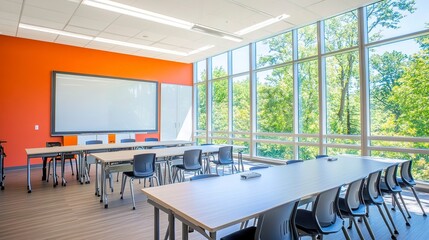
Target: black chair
(321, 156)
(391, 186)
(353, 205)
(203, 176)
(407, 180)
(70, 157)
(324, 218)
(191, 163)
(294, 161)
(373, 196)
(224, 158)
(143, 168)
(276, 223)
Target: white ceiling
(226, 15)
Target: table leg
(171, 227)
(103, 190)
(156, 223)
(28, 175)
(54, 172)
(63, 163)
(44, 168)
(213, 235)
(82, 167)
(185, 229)
(96, 178)
(240, 159)
(169, 170)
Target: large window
(355, 83)
(275, 100)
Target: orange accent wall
(25, 86)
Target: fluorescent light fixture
(137, 12)
(159, 18)
(111, 41)
(201, 49)
(54, 31)
(261, 25)
(139, 46)
(216, 32)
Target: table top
(93, 147)
(216, 203)
(120, 156)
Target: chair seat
(222, 163)
(244, 234)
(305, 221)
(131, 175)
(384, 188)
(409, 183)
(181, 166)
(360, 211)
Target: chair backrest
(354, 198)
(277, 223)
(206, 144)
(203, 176)
(321, 156)
(325, 209)
(406, 174)
(53, 144)
(90, 142)
(144, 164)
(192, 159)
(294, 161)
(127, 140)
(372, 189)
(225, 154)
(390, 177)
(151, 140)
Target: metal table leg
(63, 162)
(156, 223)
(171, 227)
(28, 175)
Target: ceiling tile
(42, 22)
(80, 30)
(60, 6)
(42, 36)
(46, 15)
(72, 41)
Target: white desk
(107, 158)
(212, 204)
(82, 150)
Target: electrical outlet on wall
(36, 127)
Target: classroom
(282, 119)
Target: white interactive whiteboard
(98, 104)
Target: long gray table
(212, 204)
(107, 158)
(82, 150)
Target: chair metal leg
(350, 224)
(405, 206)
(400, 209)
(390, 218)
(357, 228)
(124, 180)
(132, 192)
(418, 201)
(346, 235)
(368, 227)
(71, 166)
(385, 221)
